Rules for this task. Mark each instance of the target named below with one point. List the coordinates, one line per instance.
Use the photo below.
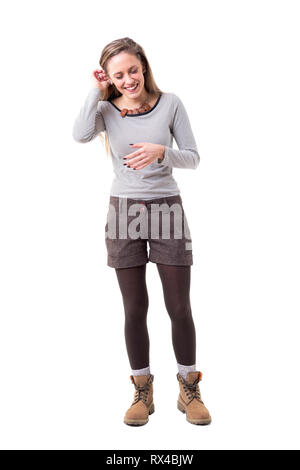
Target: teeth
(132, 88)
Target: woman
(140, 120)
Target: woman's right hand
(102, 82)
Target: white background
(64, 368)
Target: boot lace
(141, 393)
(192, 390)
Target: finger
(133, 162)
(97, 74)
(140, 164)
(101, 74)
(141, 167)
(132, 155)
(140, 144)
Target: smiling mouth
(132, 89)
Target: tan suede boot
(189, 399)
(142, 405)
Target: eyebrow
(128, 69)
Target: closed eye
(134, 71)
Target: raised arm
(90, 121)
(187, 156)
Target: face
(126, 71)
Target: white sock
(145, 371)
(183, 370)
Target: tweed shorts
(133, 224)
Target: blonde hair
(131, 47)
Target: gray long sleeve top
(166, 119)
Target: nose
(129, 83)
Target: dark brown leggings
(176, 288)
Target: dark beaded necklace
(142, 109)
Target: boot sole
(140, 422)
(193, 421)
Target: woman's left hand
(146, 154)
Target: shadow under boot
(142, 405)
